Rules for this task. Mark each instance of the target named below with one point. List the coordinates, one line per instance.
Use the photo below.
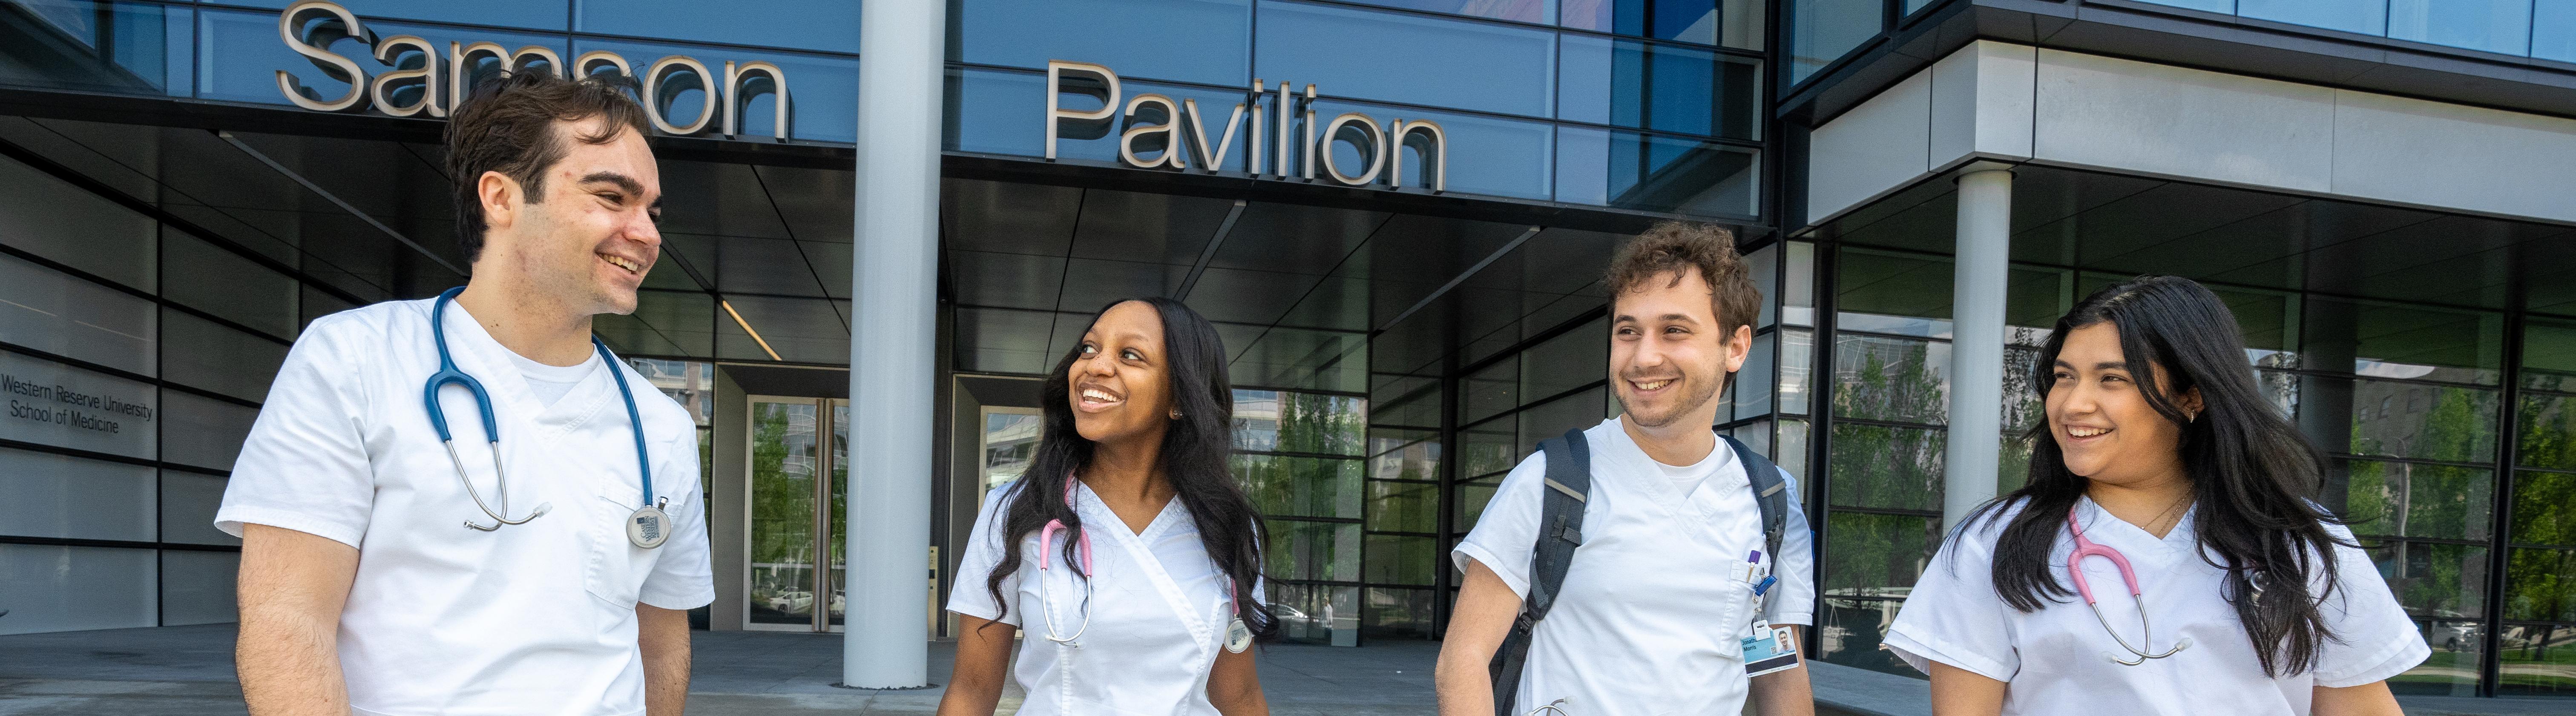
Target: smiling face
(1668, 357)
(2100, 417)
(592, 239)
(1121, 383)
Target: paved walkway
(173, 671)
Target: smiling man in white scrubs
(1656, 604)
(375, 578)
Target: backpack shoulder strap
(1769, 491)
(1560, 523)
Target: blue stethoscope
(645, 528)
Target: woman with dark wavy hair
(2205, 580)
(1126, 554)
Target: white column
(893, 338)
(1977, 341)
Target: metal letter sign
(421, 82)
(1164, 133)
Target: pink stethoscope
(1237, 636)
(2074, 569)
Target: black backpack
(1560, 531)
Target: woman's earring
(1176, 415)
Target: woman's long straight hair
(1194, 458)
(2252, 473)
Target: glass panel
(2549, 349)
(2536, 660)
(1580, 410)
(829, 25)
(1418, 460)
(1878, 555)
(51, 588)
(2407, 342)
(1491, 447)
(1562, 363)
(2544, 509)
(2396, 499)
(1179, 40)
(1886, 467)
(1283, 486)
(1798, 287)
(188, 504)
(1472, 497)
(1327, 551)
(1655, 173)
(1398, 559)
(47, 217)
(1902, 294)
(2548, 432)
(199, 587)
(1898, 379)
(1665, 88)
(784, 457)
(2368, 17)
(1753, 380)
(2539, 587)
(57, 313)
(1459, 64)
(201, 431)
(1403, 507)
(1406, 400)
(1852, 631)
(533, 14)
(2221, 6)
(1791, 455)
(1492, 390)
(2477, 24)
(839, 519)
(1317, 613)
(1797, 365)
(2553, 36)
(1010, 443)
(223, 283)
(67, 497)
(2012, 463)
(115, 48)
(55, 404)
(2434, 580)
(2417, 420)
(1285, 421)
(1530, 11)
(207, 355)
(1821, 31)
(1399, 614)
(2452, 670)
(2023, 408)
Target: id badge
(1770, 650)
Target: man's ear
(501, 197)
(1739, 346)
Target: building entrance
(799, 450)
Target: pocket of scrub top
(617, 568)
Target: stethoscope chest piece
(1238, 637)
(649, 527)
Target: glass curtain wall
(133, 356)
(1298, 455)
(1407, 553)
(2408, 401)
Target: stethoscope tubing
(2085, 547)
(449, 374)
(1082, 549)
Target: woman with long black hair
(2204, 579)
(1125, 553)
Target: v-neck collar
(1086, 497)
(2103, 527)
(479, 354)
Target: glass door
(797, 504)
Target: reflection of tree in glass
(1888, 466)
(782, 496)
(2540, 584)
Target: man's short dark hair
(508, 126)
(1671, 248)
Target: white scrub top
(2056, 660)
(537, 618)
(1654, 609)
(1158, 611)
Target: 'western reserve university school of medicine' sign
(424, 84)
(1299, 146)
